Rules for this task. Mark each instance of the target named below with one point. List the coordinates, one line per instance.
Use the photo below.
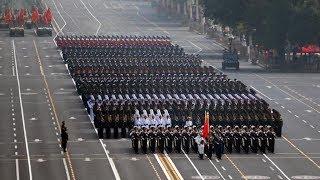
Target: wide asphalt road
(37, 93)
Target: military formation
(187, 139)
(129, 83)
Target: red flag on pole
(205, 130)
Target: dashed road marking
(311, 126)
(282, 107)
(296, 116)
(223, 168)
(304, 121)
(230, 177)
(289, 111)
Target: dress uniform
(271, 139)
(152, 140)
(161, 140)
(229, 139)
(262, 140)
(135, 140)
(177, 140)
(144, 140)
(169, 140)
(210, 146)
(245, 139)
(237, 139)
(186, 141)
(254, 140)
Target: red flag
(205, 130)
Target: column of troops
(148, 88)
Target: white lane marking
(271, 168)
(146, 19)
(230, 177)
(264, 160)
(215, 167)
(261, 93)
(276, 102)
(200, 49)
(113, 167)
(93, 17)
(282, 107)
(280, 177)
(194, 167)
(66, 168)
(14, 134)
(319, 131)
(276, 167)
(162, 167)
(287, 93)
(16, 153)
(17, 169)
(309, 111)
(15, 146)
(22, 111)
(296, 116)
(289, 111)
(65, 23)
(311, 126)
(173, 165)
(304, 121)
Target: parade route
(37, 94)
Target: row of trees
(273, 24)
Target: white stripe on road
(93, 17)
(161, 165)
(113, 166)
(200, 49)
(173, 165)
(287, 93)
(261, 93)
(66, 168)
(276, 167)
(17, 169)
(194, 167)
(215, 167)
(22, 111)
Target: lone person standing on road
(64, 136)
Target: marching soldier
(218, 146)
(271, 139)
(123, 126)
(254, 140)
(116, 125)
(209, 148)
(107, 126)
(64, 137)
(237, 139)
(177, 140)
(152, 140)
(193, 141)
(245, 139)
(161, 140)
(135, 140)
(186, 141)
(229, 139)
(169, 140)
(144, 140)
